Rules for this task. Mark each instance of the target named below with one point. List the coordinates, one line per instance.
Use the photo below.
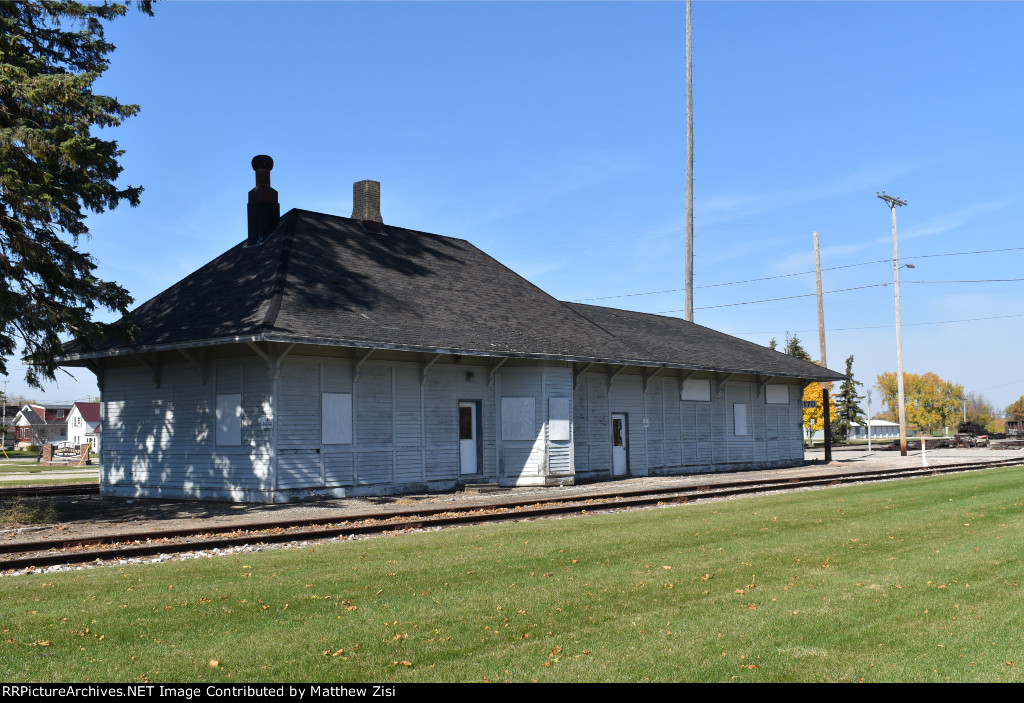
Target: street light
(893, 203)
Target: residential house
(84, 424)
(36, 424)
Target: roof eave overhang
(84, 358)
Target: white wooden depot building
(342, 355)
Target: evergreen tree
(848, 410)
(53, 171)
(794, 348)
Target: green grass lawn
(916, 580)
(20, 468)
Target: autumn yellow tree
(814, 418)
(1016, 410)
(931, 402)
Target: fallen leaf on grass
(214, 663)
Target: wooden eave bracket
(684, 376)
(617, 372)
(762, 384)
(492, 370)
(96, 366)
(359, 362)
(273, 361)
(649, 376)
(578, 371)
(424, 365)
(720, 383)
(154, 367)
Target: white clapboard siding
(796, 423)
(441, 418)
(299, 430)
(655, 425)
(697, 438)
(409, 467)
(581, 425)
(600, 459)
(558, 395)
(524, 458)
(740, 447)
(338, 459)
(165, 445)
(375, 424)
(592, 433)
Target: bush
(32, 511)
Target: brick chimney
(366, 201)
(264, 210)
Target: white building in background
(881, 430)
(84, 424)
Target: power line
(732, 283)
(787, 297)
(978, 280)
(887, 327)
(804, 273)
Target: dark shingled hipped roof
(322, 279)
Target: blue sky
(552, 136)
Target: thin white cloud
(952, 220)
(722, 208)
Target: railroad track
(115, 547)
(61, 489)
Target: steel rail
(57, 489)
(52, 553)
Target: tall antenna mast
(689, 168)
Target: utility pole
(825, 387)
(867, 421)
(689, 168)
(894, 203)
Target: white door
(620, 445)
(467, 438)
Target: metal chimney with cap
(366, 201)
(264, 210)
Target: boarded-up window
(559, 411)
(518, 418)
(739, 416)
(696, 389)
(775, 393)
(337, 418)
(229, 420)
